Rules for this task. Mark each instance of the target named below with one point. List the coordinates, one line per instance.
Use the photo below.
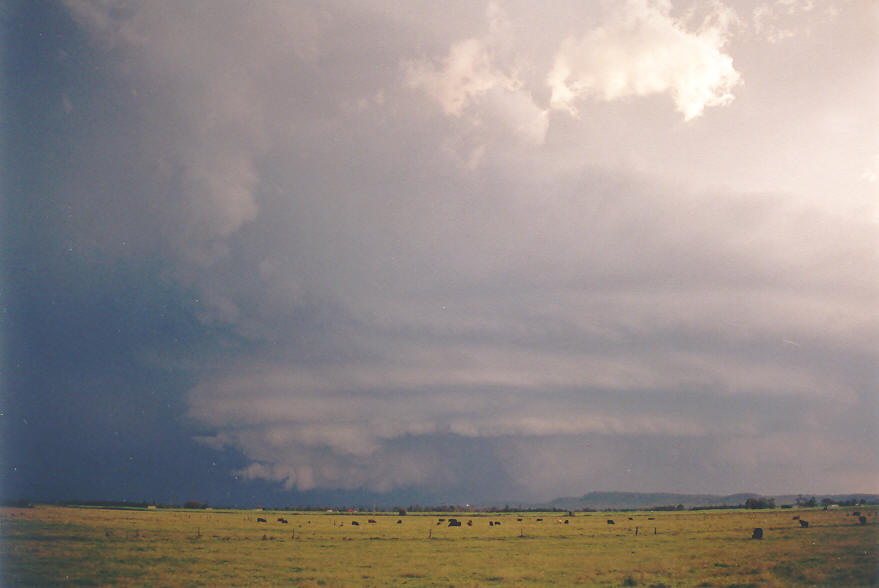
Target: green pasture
(48, 546)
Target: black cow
(862, 519)
(796, 517)
(857, 513)
(454, 523)
(371, 521)
(282, 520)
(498, 523)
(399, 522)
(758, 533)
(260, 520)
(539, 520)
(804, 524)
(469, 523)
(491, 523)
(520, 520)
(610, 522)
(355, 523)
(566, 522)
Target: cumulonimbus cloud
(389, 304)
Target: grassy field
(46, 546)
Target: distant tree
(194, 504)
(400, 510)
(760, 503)
(804, 501)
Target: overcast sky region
(479, 252)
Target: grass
(47, 546)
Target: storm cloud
(509, 253)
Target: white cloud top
(642, 51)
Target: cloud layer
(436, 277)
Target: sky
(461, 252)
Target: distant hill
(618, 500)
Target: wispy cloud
(479, 77)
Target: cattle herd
(451, 522)
(756, 534)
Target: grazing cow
(399, 521)
(520, 520)
(371, 521)
(857, 513)
(758, 533)
(796, 517)
(469, 523)
(260, 520)
(650, 519)
(631, 519)
(566, 522)
(491, 523)
(539, 520)
(558, 521)
(804, 524)
(610, 522)
(498, 523)
(454, 523)
(355, 523)
(282, 520)
(862, 519)
(442, 520)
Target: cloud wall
(438, 277)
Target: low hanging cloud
(643, 51)
(587, 354)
